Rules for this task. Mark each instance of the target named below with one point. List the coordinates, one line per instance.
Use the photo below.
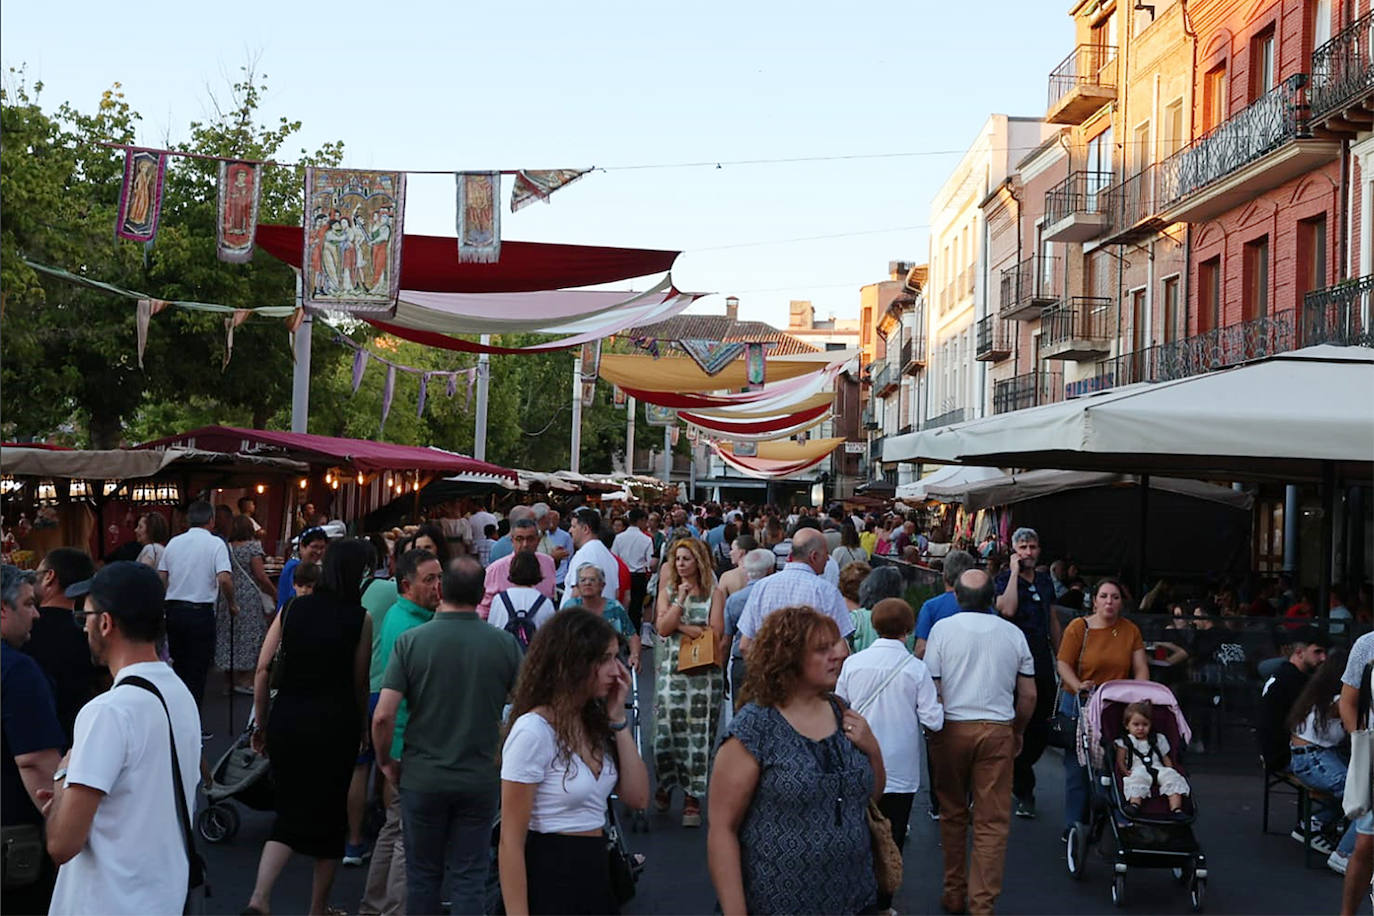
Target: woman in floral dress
(255, 596)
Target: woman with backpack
(522, 608)
(590, 582)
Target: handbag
(887, 858)
(274, 671)
(1359, 779)
(698, 654)
(1063, 732)
(623, 868)
(197, 886)
(21, 855)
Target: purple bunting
(359, 364)
(472, 377)
(424, 391)
(387, 392)
(452, 384)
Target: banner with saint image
(354, 223)
(236, 220)
(140, 199)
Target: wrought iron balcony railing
(1086, 65)
(1132, 205)
(884, 377)
(1027, 287)
(1078, 318)
(1276, 118)
(957, 415)
(875, 449)
(1342, 69)
(868, 420)
(1082, 193)
(1342, 314)
(993, 339)
(1043, 386)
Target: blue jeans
(1324, 770)
(1075, 774)
(450, 829)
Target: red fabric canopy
(355, 454)
(754, 427)
(430, 263)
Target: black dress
(314, 728)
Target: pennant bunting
(424, 391)
(712, 355)
(140, 199)
(352, 255)
(388, 390)
(479, 217)
(237, 217)
(233, 321)
(359, 365)
(539, 184)
(452, 384)
(472, 377)
(147, 308)
(755, 365)
(296, 319)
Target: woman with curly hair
(687, 703)
(792, 781)
(567, 750)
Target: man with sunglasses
(1025, 596)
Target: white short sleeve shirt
(568, 797)
(977, 657)
(193, 561)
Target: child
(1142, 758)
(307, 574)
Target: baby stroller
(1152, 838)
(243, 775)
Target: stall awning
(355, 454)
(1006, 489)
(778, 459)
(130, 464)
(431, 263)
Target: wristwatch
(59, 774)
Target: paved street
(1250, 872)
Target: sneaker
(355, 855)
(1337, 862)
(934, 815)
(1025, 808)
(1321, 845)
(1315, 828)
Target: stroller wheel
(1197, 894)
(218, 823)
(1076, 849)
(1119, 891)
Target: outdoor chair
(1284, 779)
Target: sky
(620, 86)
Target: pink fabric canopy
(754, 427)
(355, 454)
(431, 263)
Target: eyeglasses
(79, 617)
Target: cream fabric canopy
(1282, 418)
(1004, 489)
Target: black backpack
(520, 624)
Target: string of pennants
(354, 219)
(362, 356)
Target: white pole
(575, 452)
(667, 454)
(630, 409)
(479, 435)
(300, 376)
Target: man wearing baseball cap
(1307, 647)
(113, 824)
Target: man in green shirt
(417, 581)
(456, 673)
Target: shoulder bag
(1359, 781)
(197, 887)
(1064, 728)
(887, 858)
(274, 671)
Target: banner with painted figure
(237, 215)
(659, 416)
(355, 221)
(479, 217)
(140, 199)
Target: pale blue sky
(542, 85)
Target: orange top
(1107, 656)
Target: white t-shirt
(1329, 736)
(976, 657)
(192, 561)
(151, 555)
(134, 860)
(522, 599)
(895, 715)
(634, 547)
(568, 798)
(593, 552)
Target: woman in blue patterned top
(591, 581)
(792, 781)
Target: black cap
(123, 589)
(1309, 635)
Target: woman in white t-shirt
(567, 750)
(1315, 736)
(151, 532)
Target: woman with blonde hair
(687, 702)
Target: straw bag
(887, 858)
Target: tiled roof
(719, 327)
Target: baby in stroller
(1142, 758)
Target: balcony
(914, 355)
(875, 450)
(1076, 208)
(1258, 149)
(993, 340)
(1078, 329)
(869, 419)
(1342, 93)
(1081, 84)
(957, 415)
(1341, 314)
(1044, 386)
(1026, 288)
(1133, 208)
(885, 379)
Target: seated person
(1142, 759)
(1306, 652)
(1316, 733)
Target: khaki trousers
(385, 894)
(974, 760)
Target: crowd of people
(475, 668)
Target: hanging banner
(746, 450)
(755, 366)
(674, 433)
(237, 217)
(140, 199)
(618, 397)
(588, 392)
(659, 416)
(591, 361)
(479, 217)
(352, 257)
(539, 184)
(711, 355)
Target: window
(1100, 152)
(1172, 313)
(1174, 137)
(1142, 151)
(1262, 63)
(1311, 254)
(1137, 320)
(1209, 295)
(1321, 23)
(1213, 97)
(1255, 283)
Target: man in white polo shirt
(195, 569)
(636, 548)
(586, 533)
(983, 668)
